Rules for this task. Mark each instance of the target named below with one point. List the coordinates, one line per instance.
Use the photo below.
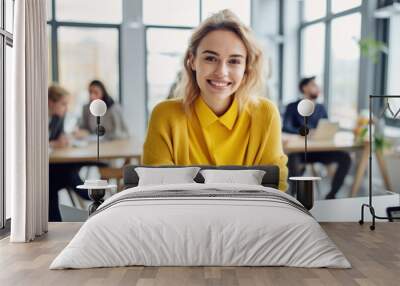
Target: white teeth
(219, 83)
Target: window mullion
(327, 59)
(299, 42)
(3, 7)
(2, 153)
(54, 42)
(200, 10)
(54, 51)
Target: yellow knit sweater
(251, 137)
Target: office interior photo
(199, 142)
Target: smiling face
(220, 65)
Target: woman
(112, 121)
(60, 175)
(219, 117)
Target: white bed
(224, 225)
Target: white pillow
(163, 176)
(248, 177)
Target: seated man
(64, 175)
(292, 121)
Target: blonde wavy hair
(252, 83)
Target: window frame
(146, 28)
(147, 85)
(6, 39)
(327, 21)
(382, 68)
(55, 24)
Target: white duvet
(185, 231)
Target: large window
(392, 83)
(180, 13)
(6, 43)
(241, 8)
(343, 5)
(329, 32)
(167, 36)
(85, 45)
(83, 55)
(314, 9)
(89, 11)
(313, 52)
(345, 56)
(165, 48)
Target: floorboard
(374, 255)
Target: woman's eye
(210, 59)
(234, 61)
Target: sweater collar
(208, 117)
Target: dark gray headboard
(271, 177)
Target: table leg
(382, 168)
(362, 166)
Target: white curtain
(27, 124)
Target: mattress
(201, 225)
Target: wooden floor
(374, 255)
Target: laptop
(325, 130)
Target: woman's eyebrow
(215, 53)
(210, 52)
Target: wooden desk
(132, 149)
(344, 141)
(109, 150)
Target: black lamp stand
(304, 130)
(100, 131)
(97, 195)
(304, 186)
(370, 204)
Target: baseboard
(349, 209)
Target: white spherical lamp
(98, 107)
(305, 107)
(303, 186)
(97, 188)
